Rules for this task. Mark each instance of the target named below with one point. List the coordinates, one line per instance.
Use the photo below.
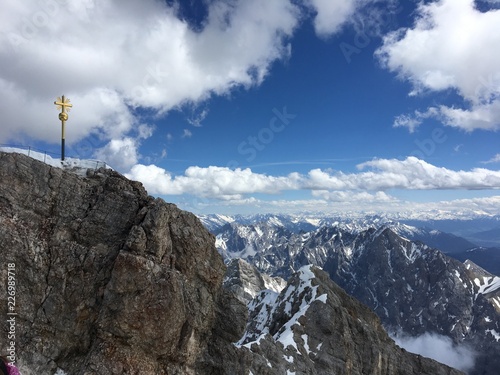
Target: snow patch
(306, 344)
(494, 333)
(459, 277)
(78, 166)
(286, 335)
(267, 304)
(488, 284)
(412, 253)
(276, 284)
(259, 231)
(315, 222)
(496, 301)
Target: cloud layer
(377, 175)
(369, 189)
(440, 348)
(450, 46)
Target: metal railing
(53, 155)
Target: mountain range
(472, 238)
(394, 268)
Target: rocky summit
(109, 280)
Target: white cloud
(187, 133)
(214, 182)
(486, 205)
(440, 348)
(413, 121)
(110, 57)
(407, 121)
(197, 119)
(331, 15)
(494, 159)
(121, 154)
(351, 196)
(145, 131)
(451, 46)
(480, 116)
(384, 174)
(460, 208)
(411, 173)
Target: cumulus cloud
(187, 133)
(354, 196)
(486, 205)
(450, 31)
(413, 121)
(408, 209)
(122, 154)
(112, 57)
(332, 16)
(440, 348)
(375, 176)
(411, 173)
(220, 182)
(197, 119)
(494, 159)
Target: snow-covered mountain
(215, 222)
(469, 225)
(312, 326)
(428, 232)
(412, 287)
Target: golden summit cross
(64, 105)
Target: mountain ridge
(397, 277)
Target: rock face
(314, 327)
(244, 281)
(109, 280)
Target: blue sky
(230, 106)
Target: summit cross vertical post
(64, 105)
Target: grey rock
(109, 279)
(245, 281)
(314, 327)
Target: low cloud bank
(439, 348)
